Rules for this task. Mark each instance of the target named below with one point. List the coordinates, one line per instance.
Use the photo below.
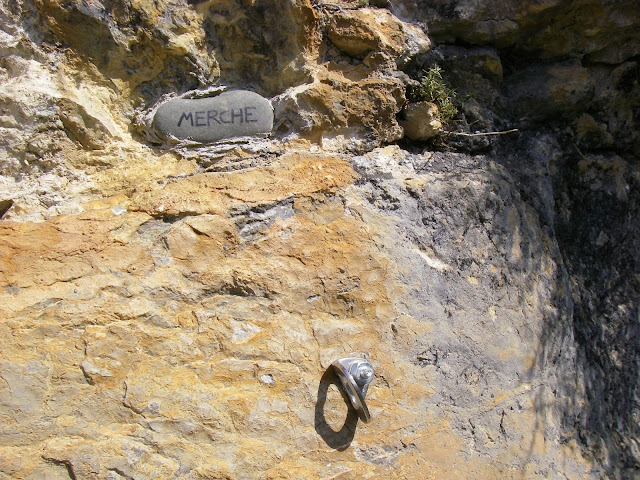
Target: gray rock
(237, 113)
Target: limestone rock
(166, 313)
(343, 111)
(79, 79)
(353, 34)
(556, 90)
(372, 33)
(215, 193)
(422, 121)
(81, 126)
(554, 28)
(269, 45)
(132, 339)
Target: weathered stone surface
(529, 61)
(291, 174)
(422, 121)
(344, 110)
(190, 346)
(271, 45)
(72, 104)
(171, 317)
(356, 35)
(558, 90)
(231, 114)
(552, 28)
(365, 31)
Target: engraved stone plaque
(231, 114)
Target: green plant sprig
(434, 89)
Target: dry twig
(481, 134)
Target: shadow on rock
(589, 346)
(341, 439)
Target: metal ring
(355, 374)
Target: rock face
(187, 329)
(170, 314)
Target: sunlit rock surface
(170, 310)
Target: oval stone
(236, 113)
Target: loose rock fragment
(422, 121)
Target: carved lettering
(230, 114)
(233, 116)
(222, 119)
(200, 116)
(248, 114)
(184, 116)
(237, 114)
(212, 115)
